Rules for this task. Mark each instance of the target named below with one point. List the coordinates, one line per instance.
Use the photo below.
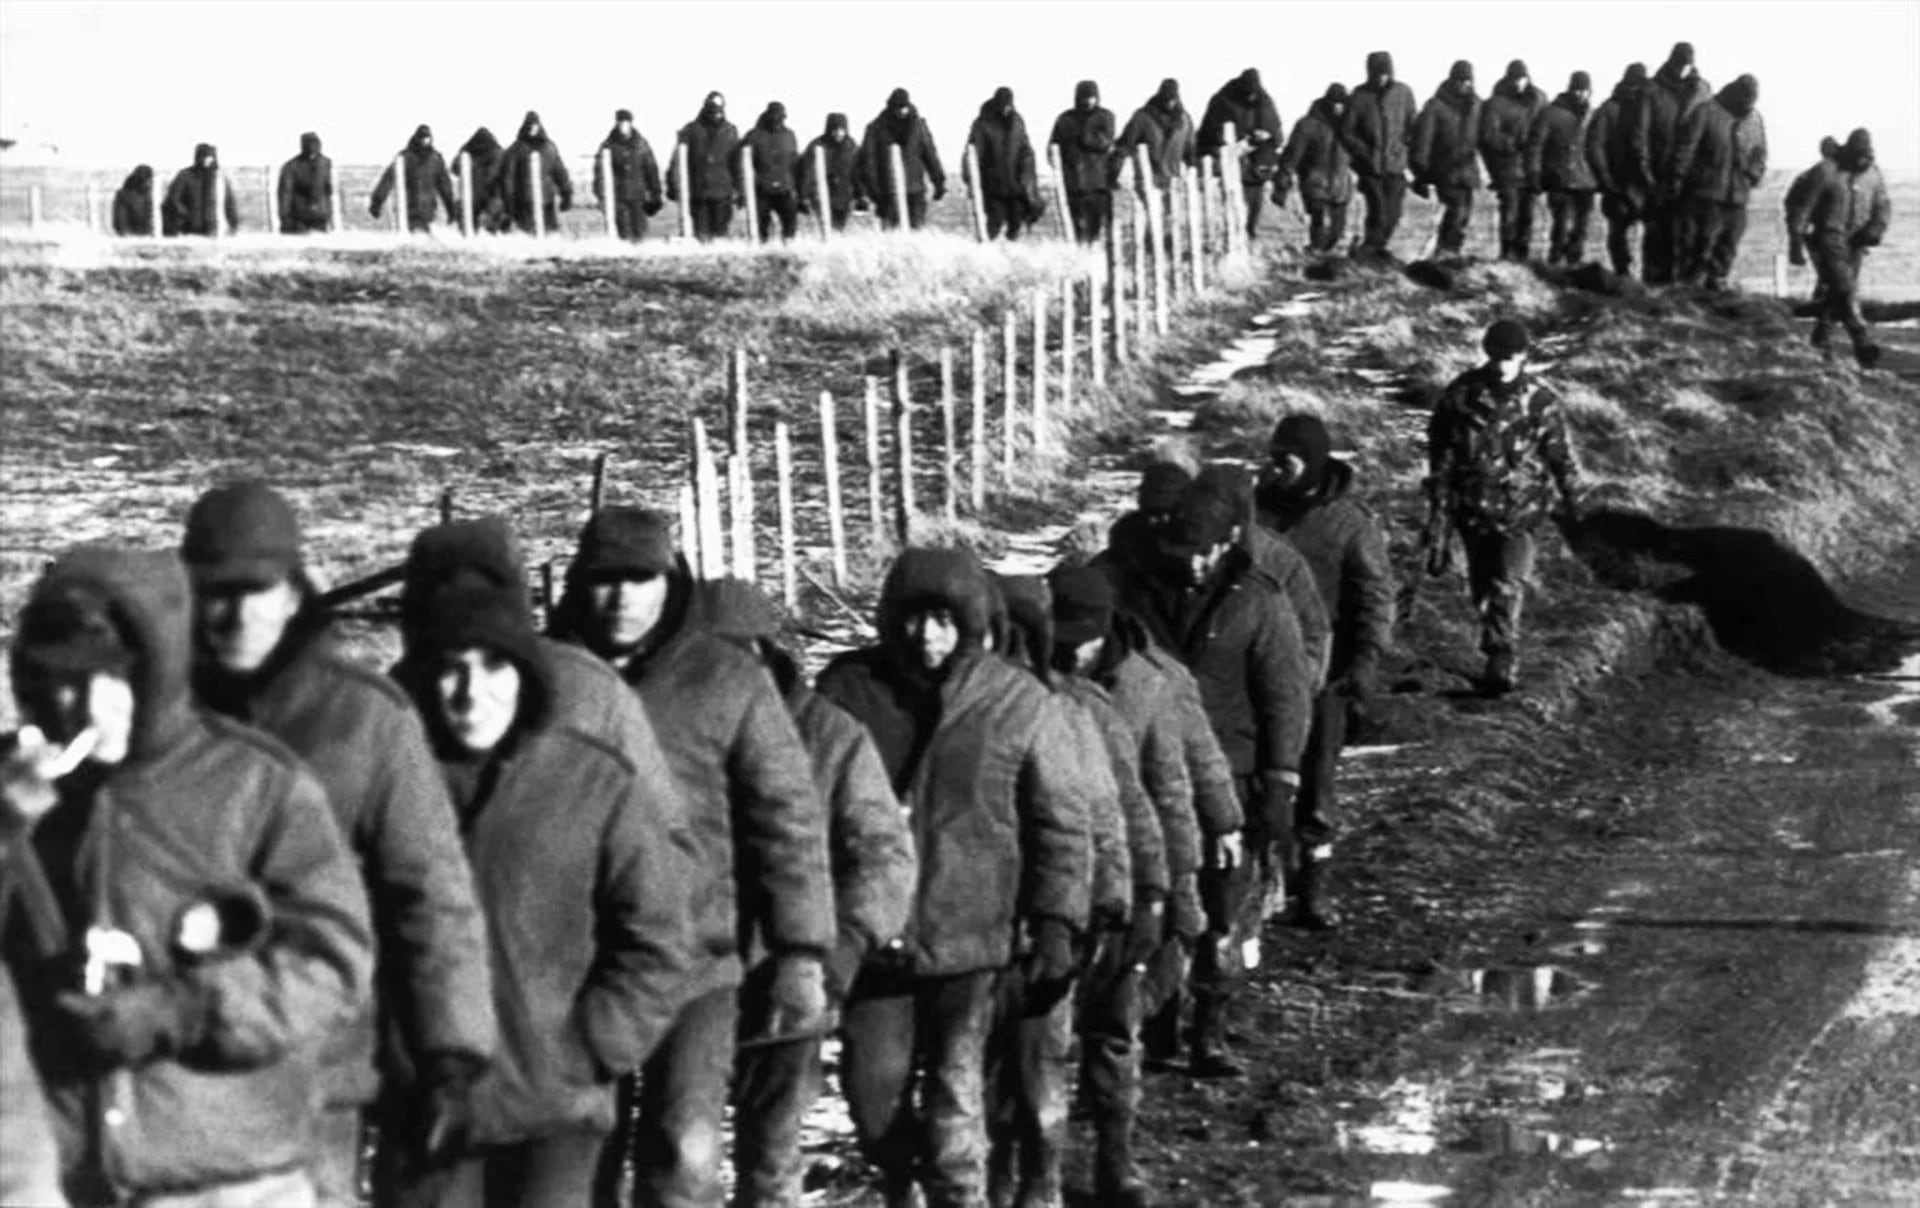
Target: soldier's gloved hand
(1050, 966)
(566, 202)
(1796, 251)
(1860, 241)
(1148, 928)
(1276, 800)
(373, 209)
(798, 995)
(861, 205)
(1422, 187)
(446, 1119)
(131, 1025)
(652, 206)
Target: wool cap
(1506, 338)
(624, 542)
(241, 534)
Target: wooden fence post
(1156, 241)
(606, 193)
(823, 199)
(686, 190)
(1039, 415)
(740, 464)
(153, 210)
(690, 528)
(266, 181)
(1117, 271)
(1096, 317)
(466, 193)
(836, 515)
(899, 189)
(783, 470)
(903, 442)
(446, 505)
(706, 485)
(1196, 232)
(1230, 184)
(1140, 273)
(598, 491)
(1062, 221)
(533, 194)
(976, 194)
(977, 464)
(876, 503)
(1176, 242)
(400, 222)
(33, 207)
(339, 221)
(747, 191)
(1779, 275)
(1043, 438)
(219, 203)
(1009, 387)
(949, 436)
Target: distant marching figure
(1623, 194)
(1377, 130)
(774, 150)
(1557, 155)
(714, 188)
(1844, 214)
(133, 204)
(1003, 158)
(427, 180)
(1245, 103)
(1719, 158)
(636, 178)
(191, 208)
(1676, 91)
(482, 151)
(305, 192)
(511, 183)
(1084, 135)
(900, 125)
(1317, 162)
(1506, 125)
(842, 155)
(1164, 127)
(1446, 138)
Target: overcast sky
(115, 83)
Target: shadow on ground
(1762, 599)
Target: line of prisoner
(514, 923)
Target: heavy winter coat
(1842, 207)
(305, 191)
(1498, 451)
(1379, 128)
(919, 159)
(1145, 837)
(713, 151)
(774, 151)
(531, 155)
(1216, 803)
(133, 203)
(1609, 144)
(1654, 127)
(190, 204)
(636, 173)
(482, 151)
(1003, 155)
(1299, 593)
(1557, 150)
(1000, 827)
(1085, 140)
(1168, 136)
(360, 736)
(1506, 124)
(1344, 546)
(1720, 154)
(588, 902)
(1146, 701)
(428, 182)
(1446, 140)
(842, 157)
(1316, 159)
(29, 1155)
(200, 807)
(1251, 113)
(1244, 649)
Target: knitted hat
(1380, 62)
(1506, 338)
(1517, 70)
(1580, 81)
(1169, 91)
(1859, 143)
(1305, 437)
(243, 534)
(1829, 147)
(623, 115)
(1084, 91)
(1160, 486)
(1682, 55)
(1003, 95)
(1636, 73)
(625, 542)
(1462, 71)
(898, 99)
(1083, 604)
(1336, 94)
(1206, 517)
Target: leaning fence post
(976, 194)
(400, 223)
(690, 528)
(903, 441)
(1062, 221)
(598, 491)
(706, 487)
(1096, 315)
(273, 201)
(977, 464)
(949, 437)
(1176, 241)
(899, 167)
(1042, 439)
(606, 193)
(741, 464)
(783, 472)
(823, 198)
(836, 517)
(1038, 418)
(1009, 386)
(686, 190)
(466, 193)
(876, 504)
(747, 191)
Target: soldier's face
(1510, 368)
(478, 692)
(624, 127)
(933, 635)
(241, 625)
(627, 609)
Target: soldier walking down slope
(532, 154)
(1506, 129)
(1446, 144)
(1003, 156)
(1798, 194)
(773, 150)
(626, 155)
(1623, 194)
(842, 156)
(305, 191)
(1085, 136)
(264, 655)
(191, 207)
(1497, 456)
(428, 182)
(1719, 158)
(1307, 497)
(1377, 132)
(589, 906)
(900, 125)
(1844, 215)
(1558, 155)
(482, 152)
(1244, 103)
(133, 203)
(971, 745)
(209, 931)
(1316, 162)
(1164, 128)
(1675, 92)
(713, 148)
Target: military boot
(1116, 1180)
(1040, 1183)
(1211, 1058)
(1502, 668)
(1311, 910)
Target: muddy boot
(1273, 873)
(1311, 910)
(1868, 355)
(1040, 1184)
(1502, 668)
(1116, 1180)
(1003, 1176)
(1210, 1056)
